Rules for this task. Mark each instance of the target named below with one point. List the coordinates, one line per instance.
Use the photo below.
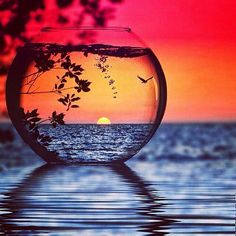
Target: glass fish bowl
(86, 94)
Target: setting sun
(103, 121)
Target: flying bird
(144, 80)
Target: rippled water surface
(93, 143)
(186, 194)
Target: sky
(195, 43)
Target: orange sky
(133, 102)
(195, 42)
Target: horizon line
(8, 121)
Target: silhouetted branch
(49, 91)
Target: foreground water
(189, 190)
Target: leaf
(60, 118)
(75, 99)
(65, 75)
(55, 86)
(77, 81)
(34, 112)
(76, 68)
(65, 65)
(74, 106)
(86, 89)
(58, 77)
(71, 74)
(64, 81)
(72, 95)
(54, 124)
(61, 86)
(60, 99)
(35, 120)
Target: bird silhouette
(144, 80)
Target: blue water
(182, 183)
(93, 143)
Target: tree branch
(50, 91)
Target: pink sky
(195, 42)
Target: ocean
(97, 143)
(183, 182)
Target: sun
(103, 121)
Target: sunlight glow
(103, 121)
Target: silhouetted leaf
(61, 86)
(74, 106)
(58, 119)
(65, 75)
(75, 99)
(35, 120)
(86, 89)
(77, 81)
(62, 101)
(78, 68)
(71, 74)
(34, 112)
(65, 65)
(54, 124)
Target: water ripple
(114, 200)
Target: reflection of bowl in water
(62, 200)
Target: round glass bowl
(86, 94)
